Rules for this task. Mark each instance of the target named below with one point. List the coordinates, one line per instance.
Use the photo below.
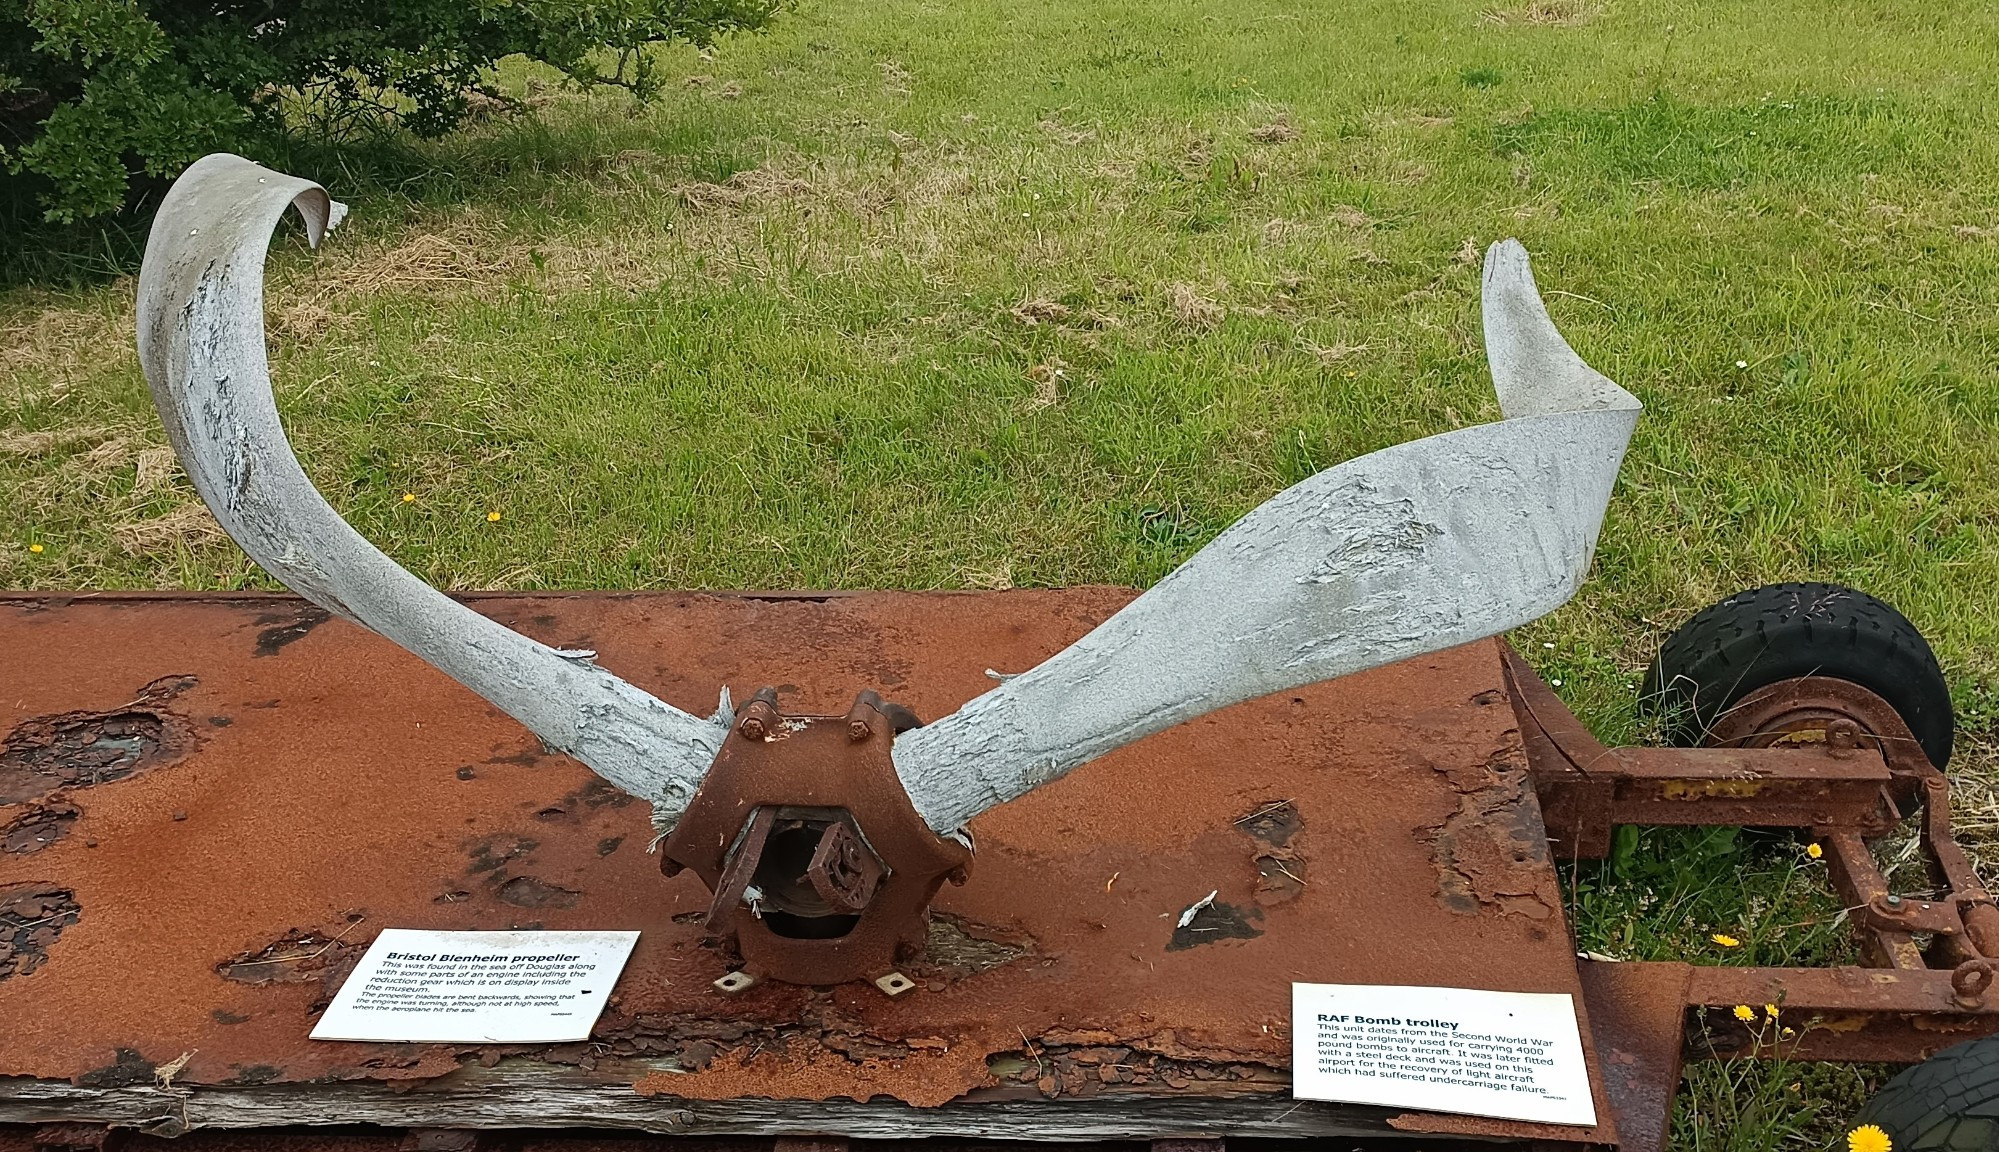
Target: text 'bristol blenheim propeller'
(824, 838)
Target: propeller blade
(1412, 549)
(201, 343)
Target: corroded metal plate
(218, 800)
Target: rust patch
(1080, 1064)
(39, 827)
(1274, 823)
(159, 691)
(1214, 923)
(1280, 868)
(597, 793)
(1493, 850)
(299, 957)
(282, 628)
(825, 1055)
(1696, 789)
(696, 1045)
(958, 947)
(79, 749)
(529, 892)
(32, 916)
(493, 851)
(127, 1067)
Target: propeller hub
(820, 868)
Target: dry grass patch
(186, 527)
(1546, 13)
(670, 227)
(1194, 309)
(1331, 354)
(1348, 216)
(1037, 312)
(462, 253)
(746, 189)
(896, 79)
(1065, 133)
(33, 445)
(64, 344)
(1049, 377)
(1278, 131)
(438, 254)
(153, 470)
(1974, 778)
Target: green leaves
(96, 92)
(89, 32)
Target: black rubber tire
(1948, 1102)
(1781, 631)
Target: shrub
(94, 92)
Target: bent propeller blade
(201, 343)
(1412, 549)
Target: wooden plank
(526, 1094)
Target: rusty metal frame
(1857, 774)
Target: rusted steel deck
(210, 804)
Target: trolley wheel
(1708, 676)
(1948, 1103)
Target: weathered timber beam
(516, 1094)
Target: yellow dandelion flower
(1725, 940)
(1790, 1032)
(409, 497)
(37, 549)
(1744, 1012)
(492, 517)
(1771, 1009)
(1814, 851)
(1868, 1138)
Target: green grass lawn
(930, 293)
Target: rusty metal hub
(1817, 710)
(821, 870)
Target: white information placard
(1508, 1055)
(477, 987)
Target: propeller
(1408, 550)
